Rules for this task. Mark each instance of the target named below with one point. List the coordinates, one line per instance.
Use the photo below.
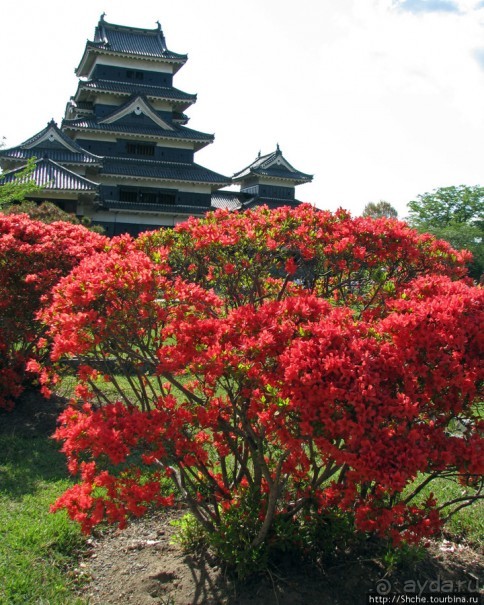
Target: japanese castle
(123, 155)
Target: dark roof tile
(270, 203)
(52, 177)
(161, 92)
(57, 155)
(229, 200)
(133, 40)
(165, 208)
(178, 132)
(175, 171)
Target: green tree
(22, 186)
(13, 200)
(455, 214)
(380, 209)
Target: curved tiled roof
(165, 208)
(132, 40)
(228, 200)
(171, 171)
(128, 41)
(57, 155)
(178, 132)
(52, 177)
(125, 88)
(281, 173)
(269, 202)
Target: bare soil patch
(142, 566)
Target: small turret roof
(124, 40)
(55, 143)
(52, 177)
(273, 165)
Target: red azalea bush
(33, 257)
(280, 366)
(357, 262)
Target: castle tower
(127, 111)
(123, 155)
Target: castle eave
(141, 133)
(93, 50)
(124, 89)
(137, 208)
(296, 179)
(173, 172)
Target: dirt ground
(142, 566)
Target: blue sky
(379, 99)
(429, 6)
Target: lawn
(468, 523)
(38, 550)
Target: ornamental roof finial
(161, 36)
(278, 149)
(102, 29)
(258, 155)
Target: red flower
(290, 266)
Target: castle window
(148, 197)
(131, 74)
(167, 198)
(128, 195)
(140, 196)
(144, 149)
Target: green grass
(37, 548)
(107, 388)
(468, 523)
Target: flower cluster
(33, 257)
(356, 262)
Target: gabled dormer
(50, 143)
(136, 112)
